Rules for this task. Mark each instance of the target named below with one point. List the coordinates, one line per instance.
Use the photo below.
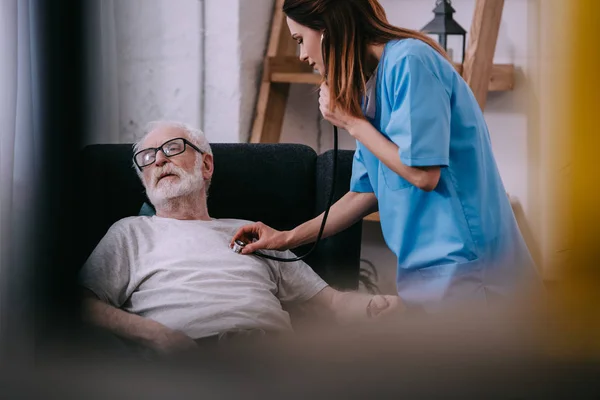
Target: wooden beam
(482, 46)
(280, 40)
(502, 77)
(286, 64)
(272, 97)
(270, 112)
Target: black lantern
(444, 25)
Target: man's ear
(208, 166)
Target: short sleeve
(359, 182)
(107, 271)
(420, 118)
(296, 281)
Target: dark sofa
(282, 185)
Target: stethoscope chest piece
(238, 245)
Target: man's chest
(197, 260)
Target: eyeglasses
(171, 148)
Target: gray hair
(194, 135)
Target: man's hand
(349, 307)
(168, 341)
(133, 327)
(380, 306)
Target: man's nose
(161, 159)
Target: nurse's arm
(344, 213)
(425, 178)
(347, 211)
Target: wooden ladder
(282, 67)
(273, 93)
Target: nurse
(423, 158)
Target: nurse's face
(310, 44)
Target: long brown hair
(349, 26)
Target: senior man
(171, 280)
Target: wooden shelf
(502, 78)
(373, 217)
(291, 70)
(296, 77)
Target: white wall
(236, 37)
(159, 61)
(197, 61)
(221, 71)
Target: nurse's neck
(375, 54)
(376, 51)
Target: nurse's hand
(259, 236)
(336, 117)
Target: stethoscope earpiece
(323, 55)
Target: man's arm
(347, 307)
(299, 284)
(130, 326)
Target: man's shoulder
(128, 223)
(133, 220)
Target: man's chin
(166, 190)
(167, 180)
(166, 193)
(162, 193)
(160, 200)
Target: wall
(159, 62)
(197, 61)
(235, 36)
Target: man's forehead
(161, 134)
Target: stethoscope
(239, 245)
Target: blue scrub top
(460, 242)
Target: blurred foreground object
(579, 110)
(467, 355)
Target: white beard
(162, 192)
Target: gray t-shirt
(184, 275)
